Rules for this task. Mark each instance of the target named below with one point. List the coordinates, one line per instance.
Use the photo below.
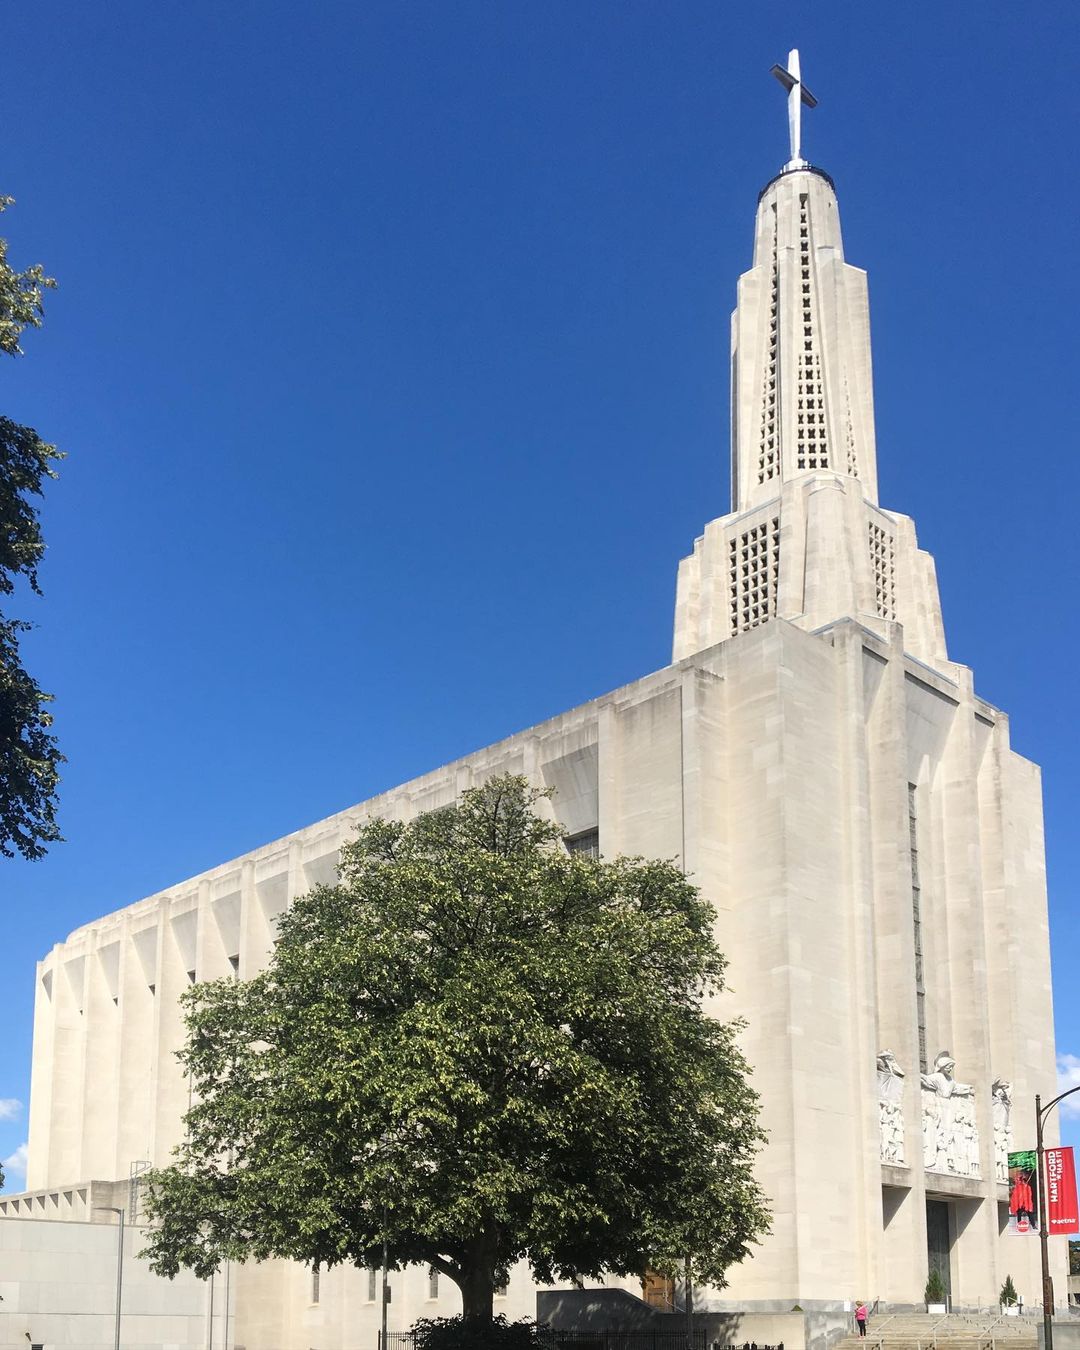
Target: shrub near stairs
(471, 1333)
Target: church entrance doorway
(658, 1291)
(939, 1243)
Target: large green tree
(481, 1048)
(29, 758)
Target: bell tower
(805, 540)
(801, 398)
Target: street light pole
(1044, 1253)
(385, 1261)
(1041, 1112)
(376, 1151)
(688, 1304)
(210, 1326)
(228, 1288)
(112, 1209)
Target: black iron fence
(627, 1340)
(668, 1339)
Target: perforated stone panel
(769, 445)
(754, 573)
(883, 560)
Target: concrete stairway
(955, 1331)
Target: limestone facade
(854, 811)
(59, 1289)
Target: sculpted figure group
(891, 1107)
(1002, 1104)
(949, 1129)
(950, 1135)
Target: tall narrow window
(372, 1284)
(315, 1282)
(916, 919)
(432, 1283)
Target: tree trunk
(477, 1285)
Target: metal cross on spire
(798, 94)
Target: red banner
(1061, 1211)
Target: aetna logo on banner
(1061, 1211)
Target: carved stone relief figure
(891, 1107)
(950, 1134)
(942, 1082)
(1002, 1105)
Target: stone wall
(58, 1287)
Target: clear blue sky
(390, 356)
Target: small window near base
(586, 844)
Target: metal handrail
(879, 1336)
(934, 1329)
(964, 1330)
(971, 1336)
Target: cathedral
(821, 768)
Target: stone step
(907, 1340)
(884, 1325)
(919, 1331)
(940, 1342)
(960, 1324)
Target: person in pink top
(860, 1317)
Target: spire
(801, 395)
(798, 94)
(805, 541)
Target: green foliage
(473, 1333)
(1074, 1256)
(935, 1288)
(22, 296)
(25, 462)
(482, 1046)
(1007, 1296)
(29, 758)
